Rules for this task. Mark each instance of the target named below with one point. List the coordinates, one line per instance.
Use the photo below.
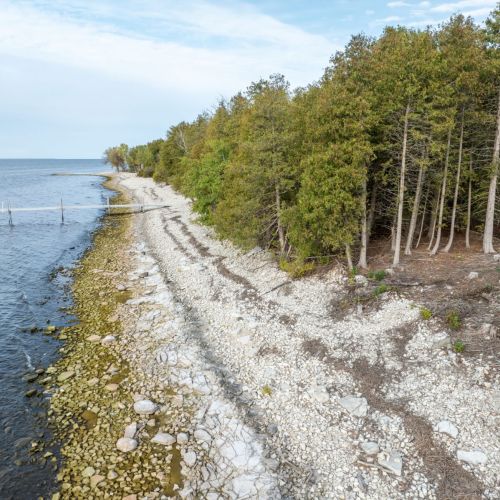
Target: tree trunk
(434, 216)
(490, 209)
(457, 186)
(443, 196)
(364, 232)
(469, 206)
(401, 193)
(281, 233)
(371, 213)
(415, 210)
(348, 257)
(423, 220)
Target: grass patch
(425, 313)
(377, 275)
(458, 346)
(381, 289)
(453, 319)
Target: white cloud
(463, 4)
(394, 5)
(255, 44)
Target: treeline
(400, 138)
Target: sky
(77, 76)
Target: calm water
(32, 293)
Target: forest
(398, 140)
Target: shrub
(425, 313)
(453, 320)
(383, 288)
(377, 275)
(296, 268)
(458, 346)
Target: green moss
(453, 319)
(458, 346)
(266, 390)
(425, 313)
(381, 289)
(377, 275)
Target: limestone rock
(108, 339)
(163, 438)
(111, 387)
(144, 407)
(447, 427)
(65, 376)
(88, 471)
(355, 406)
(319, 393)
(126, 444)
(189, 458)
(130, 430)
(440, 340)
(182, 438)
(360, 279)
(393, 463)
(94, 338)
(112, 475)
(473, 457)
(370, 447)
(95, 480)
(473, 275)
(202, 435)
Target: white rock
(130, 430)
(474, 457)
(144, 407)
(202, 435)
(320, 394)
(447, 427)
(360, 279)
(88, 471)
(393, 463)
(126, 444)
(355, 406)
(440, 340)
(473, 275)
(189, 458)
(496, 257)
(94, 338)
(108, 339)
(182, 438)
(163, 438)
(370, 447)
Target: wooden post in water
(62, 212)
(10, 214)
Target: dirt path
(346, 405)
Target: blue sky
(79, 75)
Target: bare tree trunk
(490, 209)
(401, 194)
(434, 217)
(348, 257)
(469, 206)
(443, 196)
(457, 186)
(371, 213)
(281, 233)
(423, 220)
(364, 232)
(415, 210)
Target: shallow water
(32, 293)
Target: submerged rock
(126, 444)
(163, 438)
(144, 407)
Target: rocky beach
(200, 371)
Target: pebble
(130, 430)
(95, 480)
(108, 339)
(163, 438)
(111, 387)
(474, 457)
(126, 444)
(473, 275)
(189, 458)
(88, 471)
(144, 407)
(393, 463)
(370, 447)
(65, 376)
(182, 438)
(447, 427)
(94, 338)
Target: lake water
(32, 294)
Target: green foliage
(425, 313)
(381, 289)
(458, 346)
(377, 275)
(453, 319)
(266, 390)
(296, 268)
